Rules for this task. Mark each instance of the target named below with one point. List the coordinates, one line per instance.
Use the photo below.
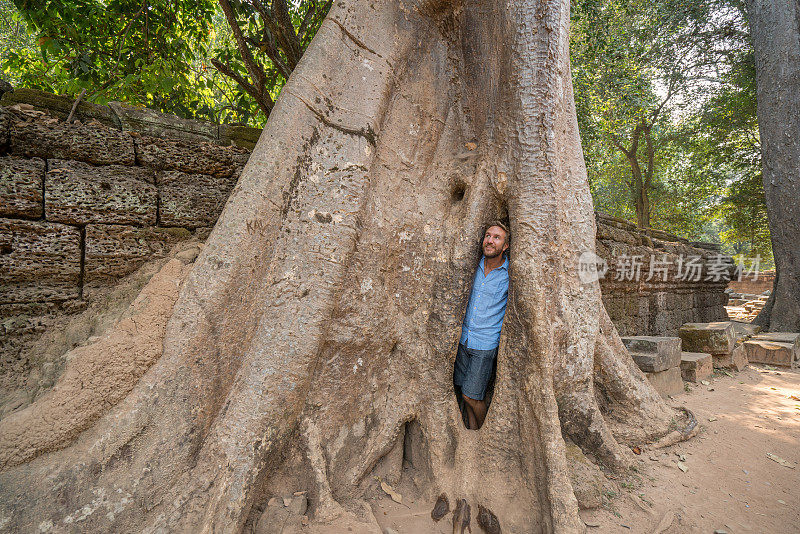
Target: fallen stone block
(772, 352)
(781, 337)
(652, 353)
(742, 330)
(667, 382)
(736, 360)
(712, 338)
(695, 366)
(21, 187)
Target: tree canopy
(224, 62)
(665, 94)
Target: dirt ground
(730, 483)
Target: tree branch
(263, 99)
(648, 138)
(253, 69)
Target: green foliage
(680, 71)
(137, 51)
(176, 56)
(268, 38)
(14, 37)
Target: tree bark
(775, 27)
(318, 327)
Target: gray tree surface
(312, 344)
(775, 26)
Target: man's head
(495, 240)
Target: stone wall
(86, 203)
(687, 282)
(753, 284)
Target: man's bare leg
(476, 412)
(472, 421)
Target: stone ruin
(657, 281)
(90, 211)
(84, 205)
(745, 306)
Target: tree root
(677, 436)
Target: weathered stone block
(93, 144)
(113, 251)
(666, 322)
(21, 187)
(154, 123)
(772, 352)
(59, 106)
(781, 337)
(242, 136)
(192, 200)
(743, 330)
(653, 354)
(667, 382)
(189, 157)
(695, 366)
(735, 360)
(713, 338)
(5, 127)
(606, 231)
(79, 193)
(39, 261)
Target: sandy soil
(730, 483)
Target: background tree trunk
(775, 26)
(313, 342)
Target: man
(480, 334)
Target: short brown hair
(502, 225)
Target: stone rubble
(745, 306)
(696, 366)
(660, 359)
(774, 348)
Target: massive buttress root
(316, 333)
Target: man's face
(494, 242)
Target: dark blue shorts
(473, 370)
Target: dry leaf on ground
(396, 497)
(780, 460)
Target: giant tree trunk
(319, 325)
(775, 26)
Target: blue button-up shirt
(486, 309)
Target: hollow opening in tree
(462, 406)
(458, 191)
